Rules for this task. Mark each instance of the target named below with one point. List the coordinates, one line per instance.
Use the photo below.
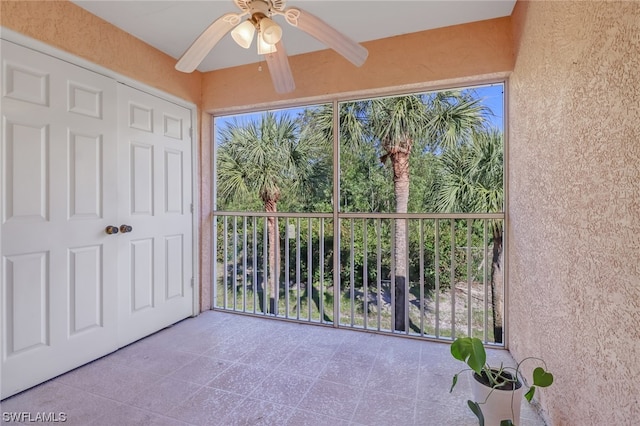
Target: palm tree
(263, 157)
(472, 181)
(435, 121)
(397, 123)
(394, 125)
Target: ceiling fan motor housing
(265, 7)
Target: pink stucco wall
(459, 51)
(574, 211)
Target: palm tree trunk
(497, 284)
(272, 206)
(400, 162)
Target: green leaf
(471, 351)
(530, 392)
(475, 407)
(507, 422)
(542, 378)
(453, 384)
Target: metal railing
(301, 267)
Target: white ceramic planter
(500, 405)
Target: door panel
(141, 266)
(174, 249)
(174, 177)
(26, 191)
(85, 288)
(58, 270)
(25, 83)
(85, 176)
(27, 322)
(155, 267)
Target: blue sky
(494, 98)
(492, 95)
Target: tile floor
(228, 369)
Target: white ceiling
(172, 25)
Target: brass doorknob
(125, 228)
(111, 229)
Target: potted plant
(497, 391)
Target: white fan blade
(206, 41)
(327, 35)
(280, 70)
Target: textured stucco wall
(574, 182)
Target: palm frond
(453, 117)
(472, 175)
(265, 156)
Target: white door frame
(30, 43)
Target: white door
(71, 292)
(57, 174)
(154, 172)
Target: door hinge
(191, 207)
(192, 283)
(191, 132)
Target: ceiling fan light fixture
(269, 36)
(265, 48)
(270, 32)
(243, 34)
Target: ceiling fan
(269, 37)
